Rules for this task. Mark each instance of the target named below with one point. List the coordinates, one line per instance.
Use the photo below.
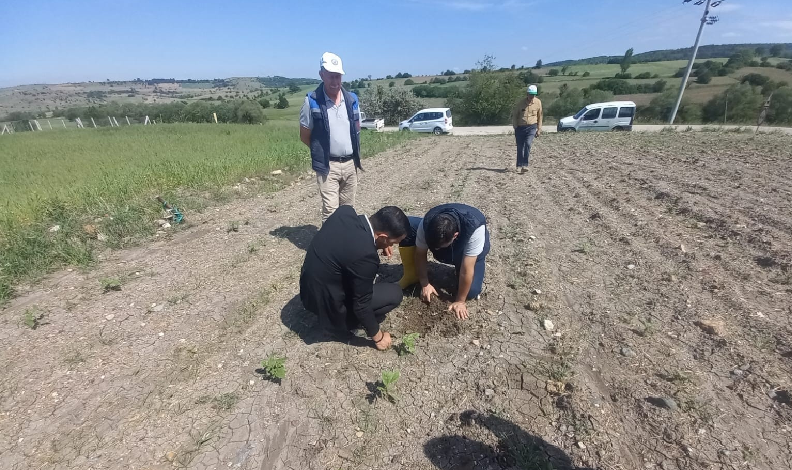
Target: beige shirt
(525, 114)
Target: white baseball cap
(331, 63)
(532, 90)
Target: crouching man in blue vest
(456, 234)
(330, 127)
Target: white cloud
(784, 27)
(726, 7)
(731, 34)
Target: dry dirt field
(663, 261)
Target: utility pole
(705, 19)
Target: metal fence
(51, 124)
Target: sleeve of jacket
(362, 274)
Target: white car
(435, 120)
(372, 123)
(611, 116)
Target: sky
(56, 41)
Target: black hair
(441, 230)
(392, 221)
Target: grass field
(108, 178)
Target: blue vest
(320, 134)
(468, 219)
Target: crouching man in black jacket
(337, 279)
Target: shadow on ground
(512, 446)
(300, 236)
(442, 277)
(306, 325)
(481, 168)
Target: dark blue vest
(468, 219)
(320, 134)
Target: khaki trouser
(338, 187)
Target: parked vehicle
(435, 120)
(611, 116)
(372, 123)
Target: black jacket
(337, 278)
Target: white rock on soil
(489, 392)
(54, 228)
(630, 266)
(277, 172)
(476, 342)
(359, 434)
(158, 308)
(537, 291)
(548, 325)
(109, 316)
(101, 237)
(166, 225)
(581, 445)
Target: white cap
(331, 63)
(532, 90)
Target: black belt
(340, 159)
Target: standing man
(527, 122)
(456, 234)
(330, 127)
(337, 278)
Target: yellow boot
(409, 277)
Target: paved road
(500, 130)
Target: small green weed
(647, 328)
(584, 247)
(233, 226)
(32, 318)
(110, 283)
(407, 345)
(274, 367)
(386, 388)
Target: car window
(592, 115)
(580, 113)
(419, 117)
(627, 112)
(448, 113)
(437, 115)
(609, 113)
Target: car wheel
(568, 129)
(437, 131)
(405, 129)
(618, 129)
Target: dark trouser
(444, 256)
(525, 136)
(386, 297)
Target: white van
(612, 116)
(435, 120)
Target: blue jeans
(525, 136)
(445, 255)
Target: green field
(109, 177)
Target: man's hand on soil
(426, 293)
(384, 342)
(538, 133)
(459, 309)
(387, 252)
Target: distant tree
(391, 84)
(538, 64)
(755, 79)
(264, 102)
(282, 103)
(760, 51)
(409, 81)
(586, 74)
(553, 72)
(643, 76)
(294, 88)
(780, 111)
(399, 75)
(467, 71)
(250, 112)
(659, 86)
(488, 97)
(564, 69)
(393, 104)
(704, 77)
(765, 62)
(744, 102)
(777, 50)
(513, 67)
(389, 77)
(626, 61)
